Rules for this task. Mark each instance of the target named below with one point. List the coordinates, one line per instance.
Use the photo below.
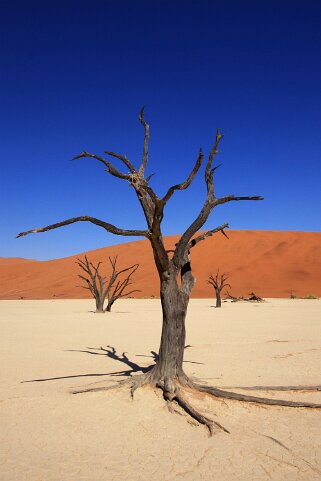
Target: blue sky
(74, 75)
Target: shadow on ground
(111, 352)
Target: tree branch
(85, 287)
(85, 265)
(229, 198)
(209, 171)
(149, 190)
(118, 290)
(200, 220)
(108, 227)
(110, 168)
(123, 158)
(184, 185)
(146, 139)
(208, 234)
(113, 276)
(130, 292)
(218, 282)
(209, 204)
(134, 267)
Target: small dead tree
(167, 373)
(100, 287)
(118, 289)
(233, 298)
(253, 298)
(218, 282)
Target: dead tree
(100, 287)
(167, 374)
(253, 298)
(118, 289)
(218, 282)
(233, 298)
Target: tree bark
(99, 305)
(169, 367)
(109, 306)
(218, 298)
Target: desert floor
(51, 348)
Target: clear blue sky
(74, 75)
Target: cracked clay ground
(49, 434)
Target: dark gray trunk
(169, 366)
(109, 306)
(99, 305)
(218, 298)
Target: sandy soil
(58, 346)
(270, 263)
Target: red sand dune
(270, 263)
(13, 260)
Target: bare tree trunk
(168, 372)
(96, 283)
(218, 298)
(109, 306)
(99, 305)
(218, 282)
(169, 366)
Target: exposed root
(219, 393)
(172, 410)
(137, 382)
(209, 423)
(134, 382)
(277, 388)
(173, 390)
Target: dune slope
(270, 263)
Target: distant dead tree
(101, 287)
(252, 297)
(119, 287)
(218, 282)
(233, 298)
(174, 271)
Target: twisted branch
(110, 168)
(209, 233)
(209, 171)
(105, 225)
(230, 198)
(123, 158)
(184, 185)
(142, 167)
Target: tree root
(134, 381)
(209, 423)
(219, 393)
(137, 382)
(173, 390)
(277, 388)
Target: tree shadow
(111, 352)
(113, 312)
